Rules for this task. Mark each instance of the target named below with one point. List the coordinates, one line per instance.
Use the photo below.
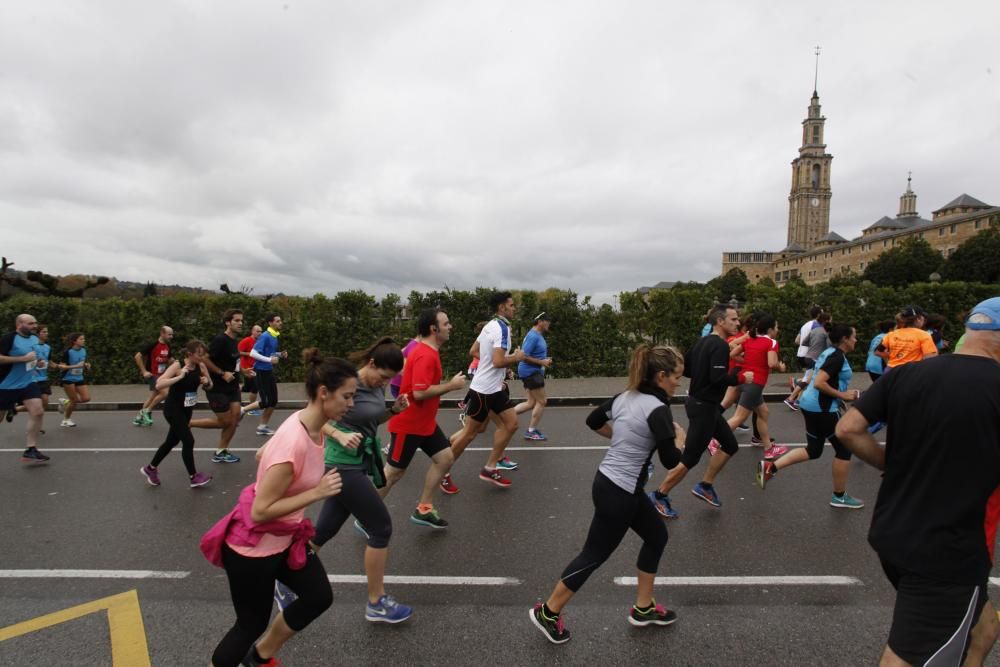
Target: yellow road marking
(128, 635)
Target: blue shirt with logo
(42, 350)
(74, 356)
(21, 373)
(875, 363)
(266, 345)
(833, 361)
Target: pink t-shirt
(290, 444)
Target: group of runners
(330, 451)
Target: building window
(815, 176)
(885, 244)
(977, 224)
(952, 229)
(861, 266)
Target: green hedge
(585, 339)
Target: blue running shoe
(283, 595)
(846, 501)
(531, 434)
(387, 610)
(707, 494)
(225, 456)
(662, 506)
(876, 427)
(506, 464)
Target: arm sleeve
(601, 415)
(254, 354)
(719, 369)
(661, 424)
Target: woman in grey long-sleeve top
(638, 422)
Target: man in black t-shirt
(707, 364)
(223, 364)
(941, 463)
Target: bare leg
(798, 455)
(460, 440)
(560, 596)
(674, 476)
(840, 470)
(375, 560)
(540, 400)
(275, 637)
(72, 395)
(266, 416)
(35, 413)
(715, 464)
(890, 659)
(440, 465)
(738, 417)
(644, 593)
(502, 436)
(392, 475)
(521, 408)
(983, 636)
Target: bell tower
(809, 200)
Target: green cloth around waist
(368, 455)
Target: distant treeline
(585, 339)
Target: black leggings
(251, 584)
(357, 497)
(267, 389)
(180, 431)
(705, 421)
(821, 426)
(615, 511)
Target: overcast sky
(305, 147)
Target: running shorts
(220, 401)
(479, 406)
(9, 398)
(536, 381)
(402, 446)
(751, 395)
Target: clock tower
(809, 200)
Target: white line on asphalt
(995, 581)
(91, 574)
(427, 581)
(745, 581)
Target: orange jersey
(907, 345)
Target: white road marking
(91, 574)
(995, 581)
(746, 581)
(535, 448)
(427, 580)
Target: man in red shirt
(246, 368)
(416, 427)
(152, 360)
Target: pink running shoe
(200, 479)
(713, 447)
(774, 451)
(448, 486)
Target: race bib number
(42, 364)
(75, 372)
(29, 365)
(190, 399)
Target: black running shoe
(553, 628)
(32, 455)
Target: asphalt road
(91, 510)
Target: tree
(912, 261)
(976, 260)
(36, 282)
(733, 284)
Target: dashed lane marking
(747, 581)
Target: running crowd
(933, 527)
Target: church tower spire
(809, 200)
(908, 201)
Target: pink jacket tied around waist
(238, 529)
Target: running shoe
(32, 455)
(9, 416)
(662, 506)
(707, 494)
(225, 456)
(63, 402)
(387, 610)
(283, 595)
(755, 441)
(264, 430)
(148, 418)
(742, 428)
(254, 413)
(507, 464)
(138, 420)
(846, 501)
(250, 661)
(361, 529)
(67, 423)
(765, 471)
(448, 486)
(531, 434)
(494, 477)
(713, 447)
(431, 519)
(200, 479)
(151, 474)
(552, 628)
(657, 614)
(774, 451)
(792, 405)
(876, 427)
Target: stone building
(816, 254)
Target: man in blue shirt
(532, 374)
(18, 362)
(265, 354)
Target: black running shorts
(403, 446)
(479, 406)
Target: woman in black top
(183, 381)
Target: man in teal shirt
(18, 361)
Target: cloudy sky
(319, 146)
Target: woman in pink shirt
(266, 537)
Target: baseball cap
(542, 316)
(912, 311)
(985, 316)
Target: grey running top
(641, 423)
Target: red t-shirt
(992, 519)
(733, 363)
(422, 370)
(246, 345)
(755, 357)
(157, 358)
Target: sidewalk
(560, 392)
